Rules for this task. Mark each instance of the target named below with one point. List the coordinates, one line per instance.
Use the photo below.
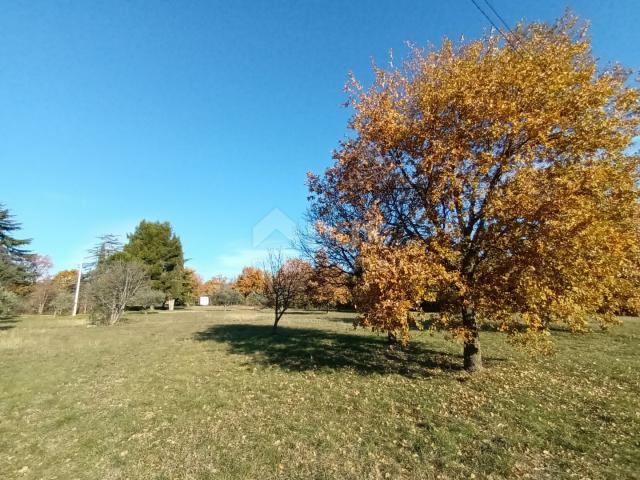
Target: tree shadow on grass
(301, 349)
(345, 319)
(7, 323)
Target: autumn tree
(66, 279)
(285, 281)
(41, 295)
(494, 177)
(42, 290)
(192, 286)
(328, 286)
(52, 294)
(209, 287)
(156, 245)
(250, 280)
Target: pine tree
(157, 246)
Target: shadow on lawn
(300, 349)
(7, 323)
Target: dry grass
(212, 395)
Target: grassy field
(210, 394)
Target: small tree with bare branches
(285, 281)
(115, 287)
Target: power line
(494, 25)
(495, 12)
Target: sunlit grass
(211, 394)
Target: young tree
(255, 299)
(250, 280)
(115, 287)
(226, 295)
(156, 246)
(285, 281)
(41, 295)
(147, 297)
(41, 292)
(494, 177)
(62, 302)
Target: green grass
(211, 394)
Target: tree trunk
(170, 303)
(472, 355)
(116, 313)
(274, 330)
(276, 309)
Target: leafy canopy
(250, 280)
(16, 268)
(495, 180)
(156, 246)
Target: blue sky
(206, 114)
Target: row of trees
(304, 285)
(148, 270)
(281, 283)
(51, 294)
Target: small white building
(204, 301)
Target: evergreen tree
(14, 261)
(107, 246)
(160, 250)
(10, 245)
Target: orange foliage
(250, 280)
(328, 286)
(66, 279)
(211, 285)
(495, 180)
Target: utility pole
(77, 297)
